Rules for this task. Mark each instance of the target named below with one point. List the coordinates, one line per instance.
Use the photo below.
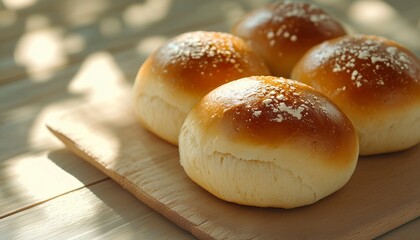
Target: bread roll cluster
(182, 71)
(249, 135)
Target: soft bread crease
(154, 120)
(259, 150)
(275, 174)
(280, 176)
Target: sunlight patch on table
(141, 14)
(18, 4)
(40, 50)
(99, 78)
(380, 18)
(149, 44)
(35, 177)
(372, 12)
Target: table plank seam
(24, 208)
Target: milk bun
(268, 142)
(375, 82)
(282, 32)
(182, 71)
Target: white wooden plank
(126, 28)
(26, 105)
(102, 211)
(30, 179)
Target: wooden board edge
(369, 231)
(375, 228)
(130, 187)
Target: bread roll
(375, 81)
(282, 32)
(182, 71)
(268, 142)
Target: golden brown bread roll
(282, 32)
(269, 142)
(183, 70)
(375, 81)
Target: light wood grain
(101, 211)
(22, 123)
(126, 33)
(408, 231)
(28, 97)
(382, 194)
(40, 177)
(89, 24)
(19, 116)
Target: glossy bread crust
(368, 71)
(182, 71)
(273, 111)
(282, 32)
(197, 62)
(375, 81)
(268, 141)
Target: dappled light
(149, 44)
(381, 18)
(142, 14)
(99, 78)
(40, 50)
(60, 55)
(372, 12)
(23, 170)
(18, 4)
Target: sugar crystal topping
(287, 10)
(370, 54)
(281, 102)
(208, 48)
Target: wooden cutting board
(383, 193)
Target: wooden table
(59, 55)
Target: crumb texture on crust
(270, 111)
(282, 32)
(375, 82)
(361, 70)
(197, 62)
